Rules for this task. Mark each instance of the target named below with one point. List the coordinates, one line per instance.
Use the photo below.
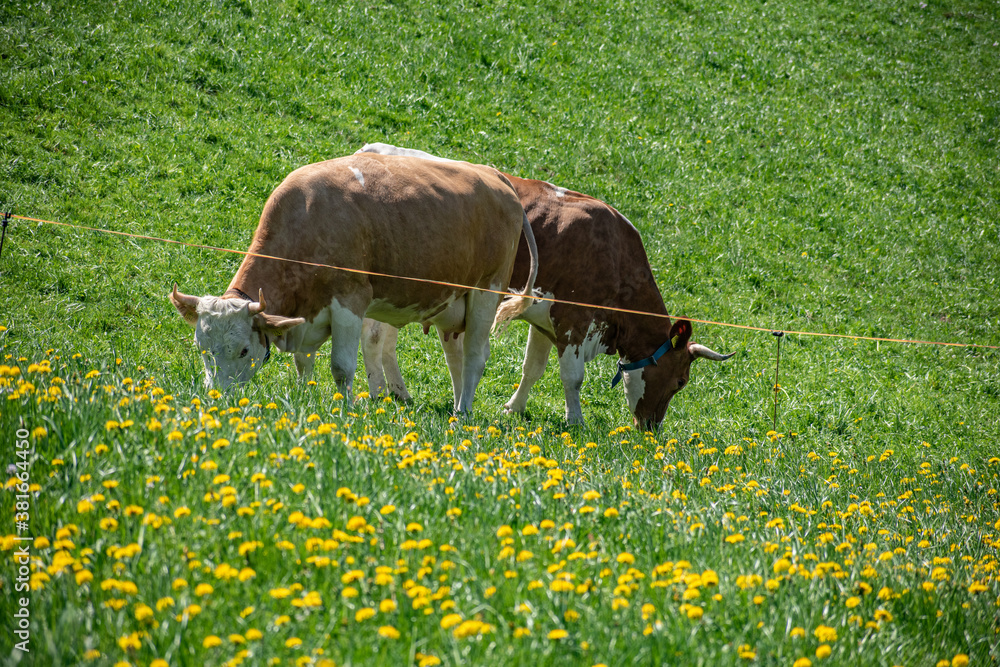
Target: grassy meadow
(829, 167)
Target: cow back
(396, 216)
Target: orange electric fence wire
(483, 289)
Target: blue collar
(642, 363)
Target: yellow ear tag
(673, 341)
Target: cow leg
(480, 309)
(345, 328)
(536, 356)
(304, 364)
(394, 379)
(571, 370)
(453, 346)
(372, 340)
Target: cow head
(650, 389)
(232, 334)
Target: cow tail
(512, 306)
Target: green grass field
(824, 167)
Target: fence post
(3, 234)
(777, 387)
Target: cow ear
(275, 324)
(186, 305)
(680, 334)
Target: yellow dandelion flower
(694, 612)
(825, 633)
(211, 641)
(388, 632)
(352, 576)
(356, 523)
(558, 633)
(823, 651)
(143, 612)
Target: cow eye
(681, 382)
(244, 352)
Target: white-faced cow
(589, 253)
(379, 216)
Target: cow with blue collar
(589, 253)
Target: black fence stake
(3, 234)
(777, 387)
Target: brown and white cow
(589, 253)
(382, 216)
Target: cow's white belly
(447, 316)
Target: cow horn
(706, 353)
(186, 305)
(179, 299)
(258, 307)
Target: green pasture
(829, 167)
